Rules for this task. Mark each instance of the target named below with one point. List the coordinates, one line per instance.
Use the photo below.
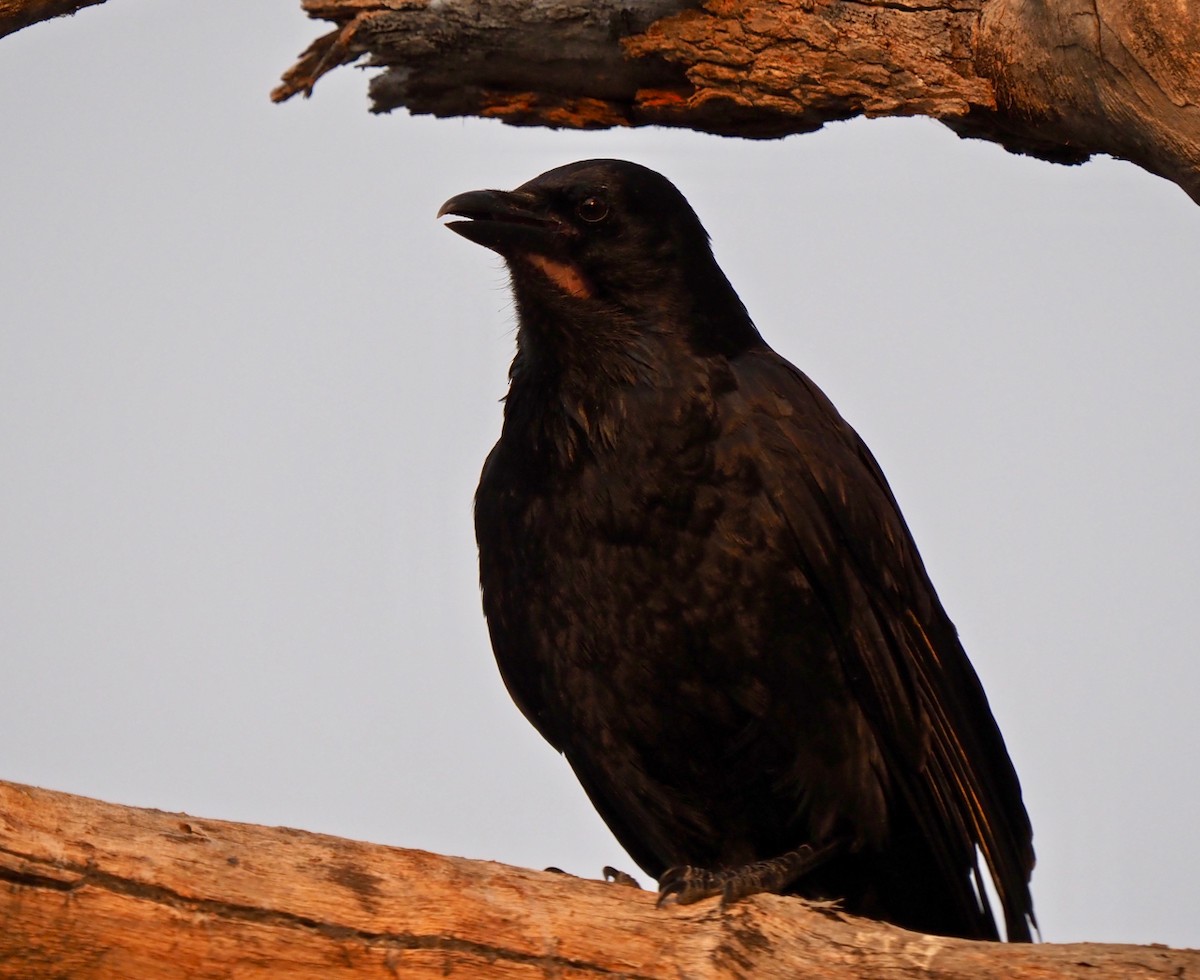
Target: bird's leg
(686, 884)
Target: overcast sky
(247, 382)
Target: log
(95, 890)
(1059, 79)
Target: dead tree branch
(1060, 80)
(15, 14)
(91, 890)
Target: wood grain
(94, 890)
(1061, 80)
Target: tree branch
(93, 890)
(1060, 79)
(15, 14)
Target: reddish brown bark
(1061, 79)
(15, 14)
(91, 890)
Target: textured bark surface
(93, 890)
(1061, 79)
(15, 14)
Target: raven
(700, 589)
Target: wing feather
(904, 660)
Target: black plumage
(701, 591)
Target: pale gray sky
(247, 382)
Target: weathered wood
(1061, 79)
(93, 890)
(16, 14)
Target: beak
(504, 221)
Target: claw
(618, 877)
(686, 884)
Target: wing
(900, 650)
(505, 569)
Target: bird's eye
(592, 209)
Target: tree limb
(1059, 79)
(15, 14)
(94, 890)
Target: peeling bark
(1059, 79)
(96, 891)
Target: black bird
(701, 591)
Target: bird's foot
(611, 875)
(686, 884)
(617, 877)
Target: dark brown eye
(592, 209)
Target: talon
(687, 885)
(727, 896)
(617, 877)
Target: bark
(93, 890)
(15, 14)
(1059, 79)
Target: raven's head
(612, 238)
